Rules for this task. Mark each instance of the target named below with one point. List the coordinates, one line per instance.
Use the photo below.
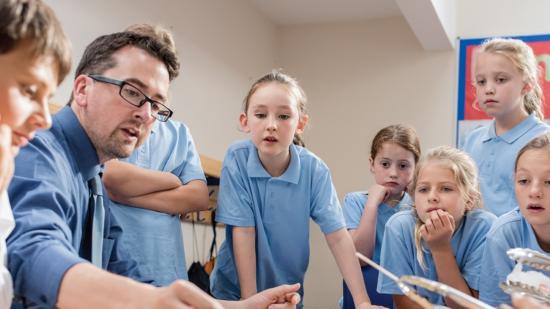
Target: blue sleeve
(494, 268)
(325, 208)
(187, 157)
(394, 256)
(235, 204)
(472, 265)
(353, 210)
(40, 247)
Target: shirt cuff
(47, 272)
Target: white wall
(502, 18)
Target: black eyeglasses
(134, 96)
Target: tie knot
(95, 185)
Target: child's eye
(259, 115)
(404, 166)
(447, 189)
(522, 181)
(421, 190)
(28, 90)
(284, 117)
(480, 82)
(501, 80)
(385, 164)
(547, 182)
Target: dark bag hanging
(196, 272)
(209, 265)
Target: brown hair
(523, 58)
(399, 134)
(35, 22)
(98, 58)
(540, 142)
(294, 89)
(465, 173)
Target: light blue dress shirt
(354, 206)
(399, 251)
(49, 194)
(279, 208)
(509, 231)
(153, 238)
(495, 157)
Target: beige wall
(359, 77)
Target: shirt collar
(257, 170)
(78, 141)
(515, 133)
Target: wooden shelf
(212, 169)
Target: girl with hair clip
(507, 89)
(270, 187)
(442, 238)
(394, 152)
(527, 226)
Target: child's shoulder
(358, 197)
(509, 223)
(404, 218)
(481, 215)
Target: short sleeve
(395, 256)
(353, 210)
(325, 207)
(186, 154)
(235, 205)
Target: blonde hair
(523, 58)
(465, 174)
(399, 134)
(294, 89)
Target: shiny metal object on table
(444, 290)
(534, 259)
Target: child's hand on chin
(438, 229)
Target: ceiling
(296, 12)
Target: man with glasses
(56, 179)
(160, 181)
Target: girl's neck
(507, 122)
(275, 165)
(542, 233)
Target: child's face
(393, 168)
(532, 185)
(436, 188)
(26, 84)
(499, 85)
(272, 119)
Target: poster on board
(469, 116)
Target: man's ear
(302, 122)
(243, 120)
(81, 87)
